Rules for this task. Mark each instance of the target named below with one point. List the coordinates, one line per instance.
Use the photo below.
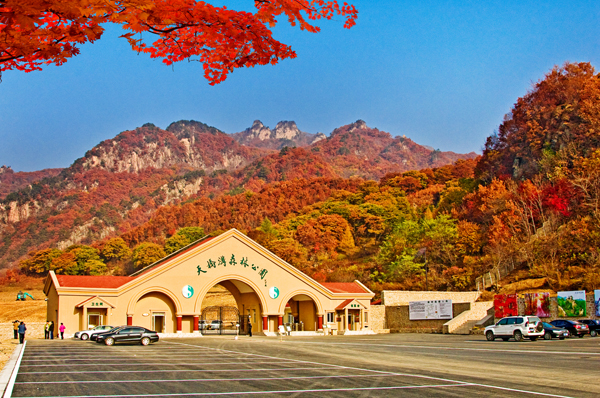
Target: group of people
(19, 329)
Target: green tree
(182, 238)
(39, 262)
(115, 249)
(147, 253)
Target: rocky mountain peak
(5, 169)
(286, 130)
(285, 133)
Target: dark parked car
(593, 325)
(575, 328)
(128, 334)
(93, 337)
(551, 331)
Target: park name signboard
(430, 309)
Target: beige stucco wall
(403, 297)
(219, 260)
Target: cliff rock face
(11, 181)
(185, 143)
(286, 133)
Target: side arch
(287, 298)
(209, 285)
(159, 289)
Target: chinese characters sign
(223, 261)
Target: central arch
(251, 303)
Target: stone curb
(9, 368)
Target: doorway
(158, 322)
(94, 320)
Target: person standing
(16, 328)
(51, 330)
(47, 330)
(249, 328)
(22, 330)
(62, 331)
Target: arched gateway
(168, 295)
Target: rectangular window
(330, 317)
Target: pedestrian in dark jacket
(51, 330)
(16, 329)
(249, 328)
(22, 330)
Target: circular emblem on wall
(273, 292)
(187, 291)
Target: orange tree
(38, 32)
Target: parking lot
(335, 366)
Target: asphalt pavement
(419, 365)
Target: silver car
(86, 334)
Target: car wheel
(109, 341)
(489, 335)
(84, 336)
(548, 336)
(518, 335)
(593, 333)
(145, 340)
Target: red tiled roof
(99, 282)
(344, 287)
(344, 304)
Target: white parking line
(201, 394)
(453, 348)
(177, 370)
(153, 364)
(203, 380)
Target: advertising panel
(430, 309)
(505, 305)
(597, 301)
(571, 303)
(537, 304)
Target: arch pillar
(196, 322)
(265, 323)
(179, 323)
(320, 324)
(129, 320)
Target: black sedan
(593, 325)
(575, 328)
(551, 331)
(128, 334)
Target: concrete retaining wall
(397, 318)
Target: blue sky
(443, 73)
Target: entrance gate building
(167, 296)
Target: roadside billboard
(505, 305)
(571, 303)
(430, 309)
(537, 304)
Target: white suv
(517, 327)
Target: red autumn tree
(38, 32)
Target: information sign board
(430, 309)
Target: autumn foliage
(38, 32)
